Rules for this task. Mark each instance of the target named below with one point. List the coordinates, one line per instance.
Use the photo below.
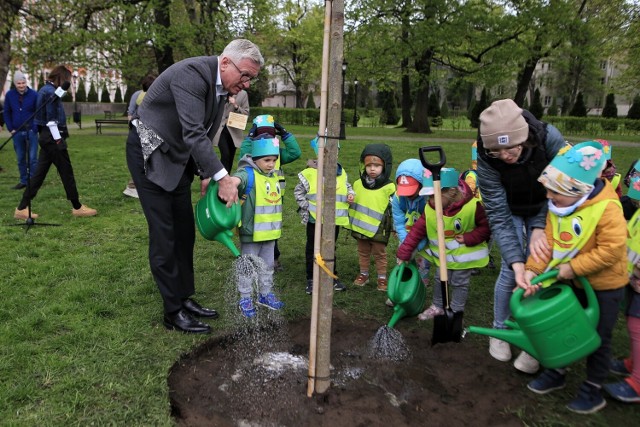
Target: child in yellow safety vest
(305, 194)
(466, 232)
(585, 236)
(261, 220)
(370, 214)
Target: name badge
(238, 121)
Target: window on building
(603, 65)
(603, 81)
(500, 90)
(285, 80)
(598, 103)
(274, 87)
(546, 101)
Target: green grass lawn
(81, 339)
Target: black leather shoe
(184, 322)
(197, 310)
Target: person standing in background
(229, 138)
(20, 105)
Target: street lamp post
(355, 103)
(342, 119)
(77, 117)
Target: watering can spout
(224, 237)
(398, 313)
(515, 337)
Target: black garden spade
(448, 326)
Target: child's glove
(280, 130)
(252, 131)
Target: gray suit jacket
(242, 99)
(181, 106)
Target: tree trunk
(406, 94)
(421, 118)
(9, 10)
(163, 51)
(524, 78)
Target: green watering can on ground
(406, 291)
(551, 325)
(215, 220)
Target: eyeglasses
(495, 154)
(244, 77)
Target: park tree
(610, 110)
(387, 101)
(634, 111)
(536, 107)
(478, 108)
(553, 108)
(578, 109)
(93, 94)
(434, 105)
(118, 96)
(104, 96)
(81, 93)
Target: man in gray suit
(168, 144)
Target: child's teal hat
(606, 148)
(427, 184)
(474, 151)
(449, 177)
(634, 188)
(264, 145)
(264, 124)
(574, 170)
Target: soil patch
(225, 382)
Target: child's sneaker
(619, 367)
(548, 381)
(431, 312)
(361, 280)
(382, 284)
(247, 308)
(499, 349)
(588, 401)
(338, 286)
(309, 288)
(270, 301)
(623, 391)
(526, 363)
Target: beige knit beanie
(502, 125)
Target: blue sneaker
(618, 367)
(270, 301)
(247, 308)
(622, 391)
(548, 381)
(588, 401)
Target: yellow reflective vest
(459, 256)
(367, 210)
(267, 222)
(633, 241)
(342, 206)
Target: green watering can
(551, 325)
(215, 220)
(406, 291)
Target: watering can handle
(553, 273)
(434, 168)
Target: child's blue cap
(427, 183)
(314, 145)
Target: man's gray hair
(240, 49)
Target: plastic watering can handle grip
(591, 296)
(434, 168)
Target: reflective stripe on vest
(267, 222)
(342, 206)
(573, 231)
(615, 181)
(459, 256)
(367, 210)
(633, 242)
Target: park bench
(115, 122)
(108, 114)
